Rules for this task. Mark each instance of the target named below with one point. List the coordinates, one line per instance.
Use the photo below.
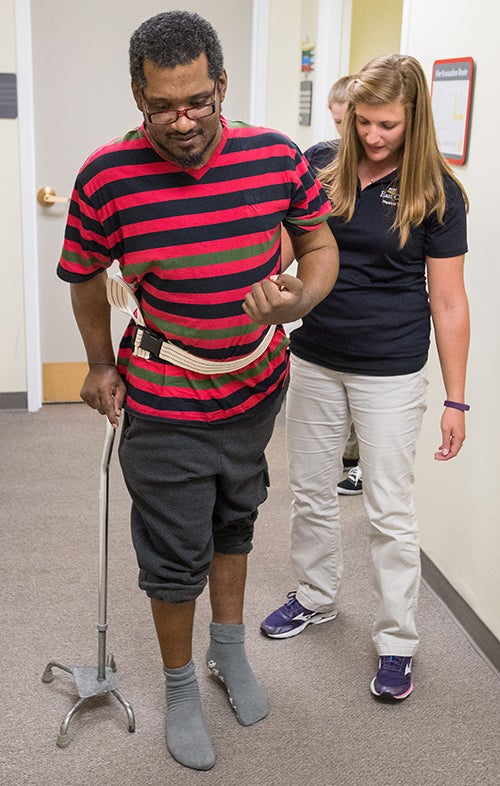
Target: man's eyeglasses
(170, 116)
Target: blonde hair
(382, 81)
(338, 91)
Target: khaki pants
(387, 415)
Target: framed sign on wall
(451, 95)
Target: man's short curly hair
(174, 38)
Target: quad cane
(91, 681)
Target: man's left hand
(276, 300)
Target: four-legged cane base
(88, 684)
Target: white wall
(12, 345)
(458, 503)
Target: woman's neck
(369, 171)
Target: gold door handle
(47, 197)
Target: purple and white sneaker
(291, 619)
(393, 678)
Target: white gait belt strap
(121, 296)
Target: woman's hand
(452, 434)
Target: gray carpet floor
(324, 729)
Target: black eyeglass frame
(181, 112)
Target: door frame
(333, 41)
(27, 170)
(405, 27)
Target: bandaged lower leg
(226, 658)
(187, 736)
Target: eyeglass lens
(192, 113)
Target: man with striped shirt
(191, 206)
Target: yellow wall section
(375, 30)
(63, 381)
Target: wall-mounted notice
(451, 103)
(305, 105)
(8, 96)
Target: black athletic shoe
(353, 484)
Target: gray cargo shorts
(195, 489)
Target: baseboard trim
(481, 637)
(13, 401)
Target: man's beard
(190, 160)
(187, 160)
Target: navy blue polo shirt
(376, 319)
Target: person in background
(337, 104)
(322, 154)
(337, 101)
(399, 217)
(191, 206)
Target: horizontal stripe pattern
(192, 243)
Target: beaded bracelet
(457, 405)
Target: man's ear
(137, 93)
(222, 82)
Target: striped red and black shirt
(191, 243)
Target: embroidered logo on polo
(390, 196)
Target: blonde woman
(399, 217)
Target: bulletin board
(451, 96)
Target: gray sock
(187, 736)
(226, 658)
